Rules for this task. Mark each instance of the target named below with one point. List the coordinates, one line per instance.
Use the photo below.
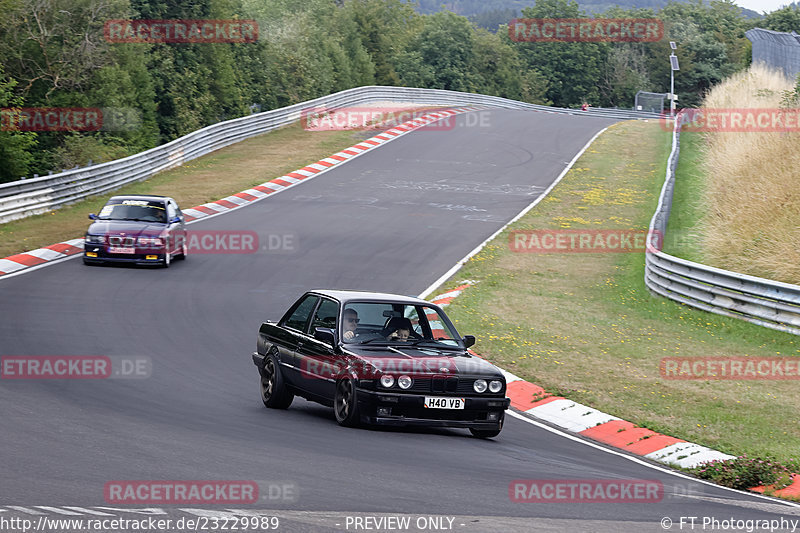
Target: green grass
(683, 231)
(585, 325)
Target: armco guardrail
(764, 302)
(22, 198)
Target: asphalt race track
(393, 220)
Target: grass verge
(683, 238)
(584, 326)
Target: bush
(745, 473)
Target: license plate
(444, 403)
(117, 250)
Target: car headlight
(95, 239)
(150, 241)
(387, 380)
(495, 386)
(479, 385)
(404, 382)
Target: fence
(23, 198)
(761, 301)
(777, 49)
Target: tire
(487, 433)
(184, 251)
(167, 259)
(345, 403)
(274, 392)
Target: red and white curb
(17, 262)
(40, 256)
(589, 422)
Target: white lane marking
(58, 511)
(645, 463)
(88, 511)
(25, 510)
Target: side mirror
(92, 216)
(325, 335)
(469, 340)
(175, 220)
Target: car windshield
(396, 324)
(140, 210)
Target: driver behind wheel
(349, 323)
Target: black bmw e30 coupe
(379, 359)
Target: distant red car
(140, 229)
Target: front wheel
(274, 392)
(184, 250)
(345, 403)
(487, 433)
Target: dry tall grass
(752, 196)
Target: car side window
(299, 317)
(326, 314)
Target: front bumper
(97, 253)
(409, 409)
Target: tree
(15, 147)
(571, 70)
(786, 19)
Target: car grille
(121, 241)
(440, 384)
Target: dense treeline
(53, 54)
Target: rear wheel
(345, 403)
(274, 392)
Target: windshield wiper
(431, 342)
(367, 341)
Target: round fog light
(404, 382)
(495, 386)
(387, 381)
(479, 385)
